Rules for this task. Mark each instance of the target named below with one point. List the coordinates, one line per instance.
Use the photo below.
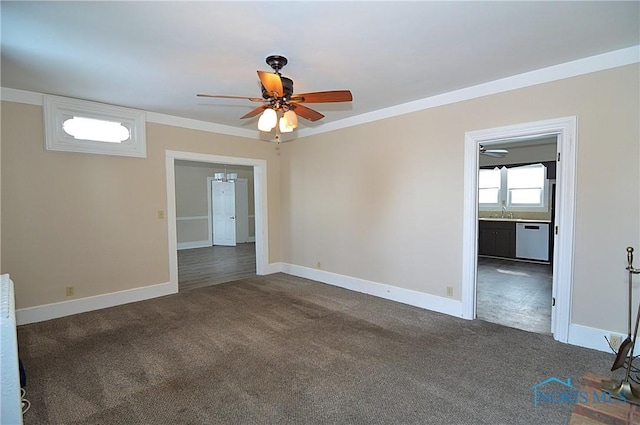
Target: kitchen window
(489, 185)
(526, 186)
(522, 188)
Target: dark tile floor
(515, 294)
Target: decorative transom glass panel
(73, 125)
(96, 130)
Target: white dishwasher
(532, 241)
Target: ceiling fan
(496, 153)
(278, 97)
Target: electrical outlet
(449, 291)
(615, 341)
(160, 214)
(318, 265)
(70, 291)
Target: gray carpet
(284, 350)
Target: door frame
(260, 206)
(566, 130)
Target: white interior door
(223, 197)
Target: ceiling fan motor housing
(287, 88)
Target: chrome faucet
(504, 210)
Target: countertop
(516, 220)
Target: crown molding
(210, 127)
(37, 99)
(610, 60)
(21, 96)
(575, 68)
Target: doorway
(259, 247)
(215, 234)
(514, 285)
(563, 230)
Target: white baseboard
(66, 308)
(273, 268)
(393, 293)
(582, 336)
(195, 244)
(585, 336)
(579, 335)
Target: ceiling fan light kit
(268, 120)
(291, 119)
(284, 126)
(278, 97)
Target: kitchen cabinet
(497, 238)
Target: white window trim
(538, 206)
(494, 206)
(58, 109)
(504, 196)
(542, 206)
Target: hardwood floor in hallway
(515, 294)
(200, 267)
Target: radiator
(10, 399)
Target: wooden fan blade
(323, 96)
(306, 113)
(219, 96)
(254, 112)
(271, 82)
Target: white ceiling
(156, 56)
